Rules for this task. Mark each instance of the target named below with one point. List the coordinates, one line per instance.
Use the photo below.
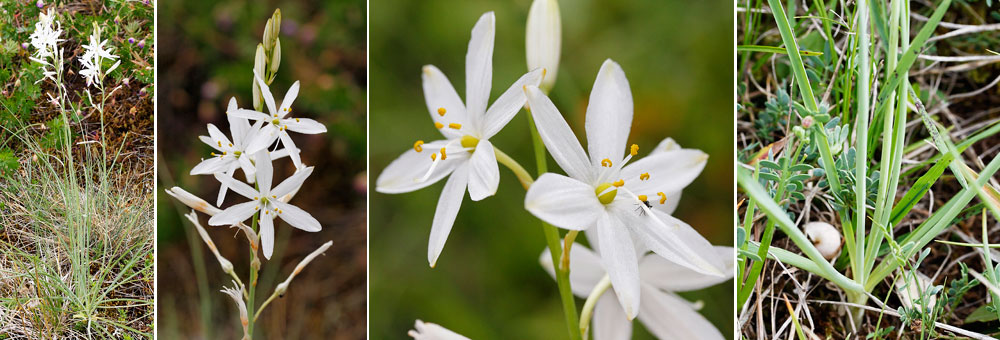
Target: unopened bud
(275, 57)
(543, 40)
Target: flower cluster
(45, 39)
(641, 252)
(93, 58)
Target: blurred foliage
(488, 283)
(206, 58)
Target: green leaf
(981, 314)
(772, 49)
(918, 190)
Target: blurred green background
(678, 57)
(205, 57)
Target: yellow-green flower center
(469, 142)
(276, 121)
(605, 197)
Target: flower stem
(252, 289)
(522, 175)
(588, 307)
(552, 238)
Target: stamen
(230, 144)
(634, 149)
(619, 183)
(434, 157)
(643, 198)
(644, 176)
(219, 142)
(297, 120)
(443, 154)
(418, 146)
(455, 126)
(663, 197)
(438, 125)
(441, 111)
(606, 163)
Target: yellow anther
(219, 142)
(441, 111)
(634, 149)
(213, 154)
(663, 197)
(274, 196)
(256, 208)
(606, 163)
(469, 142)
(619, 183)
(434, 157)
(418, 146)
(455, 126)
(256, 198)
(643, 198)
(644, 176)
(230, 144)
(296, 120)
(438, 125)
(281, 211)
(443, 154)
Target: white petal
(439, 94)
(563, 202)
(673, 199)
(609, 321)
(670, 317)
(268, 134)
(237, 186)
(192, 201)
(238, 126)
(676, 241)
(663, 274)
(609, 114)
(293, 182)
(249, 114)
(212, 165)
(297, 217)
(217, 136)
(264, 172)
(265, 91)
(223, 188)
(286, 103)
(267, 234)
(479, 69)
(667, 144)
(430, 331)
(289, 145)
(484, 173)
(208, 141)
(248, 168)
(509, 103)
(445, 213)
(585, 269)
(558, 137)
(405, 172)
(304, 125)
(618, 256)
(669, 171)
(234, 214)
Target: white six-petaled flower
(268, 201)
(45, 40)
(278, 123)
(466, 152)
(623, 208)
(665, 314)
(93, 57)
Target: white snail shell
(825, 237)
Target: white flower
(45, 40)
(266, 200)
(623, 208)
(466, 153)
(93, 57)
(431, 331)
(233, 153)
(543, 39)
(665, 314)
(278, 122)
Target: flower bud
(544, 39)
(275, 57)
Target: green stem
(522, 175)
(252, 289)
(588, 307)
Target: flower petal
(223, 188)
(238, 126)
(563, 202)
(663, 274)
(293, 182)
(669, 171)
(268, 134)
(297, 217)
(234, 214)
(218, 137)
(293, 151)
(249, 114)
(667, 144)
(509, 103)
(208, 141)
(304, 125)
(609, 114)
(484, 173)
(404, 174)
(286, 103)
(264, 172)
(267, 234)
(585, 269)
(558, 137)
(265, 91)
(439, 94)
(479, 69)
(618, 256)
(237, 186)
(445, 213)
(248, 169)
(609, 321)
(676, 241)
(212, 165)
(670, 317)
